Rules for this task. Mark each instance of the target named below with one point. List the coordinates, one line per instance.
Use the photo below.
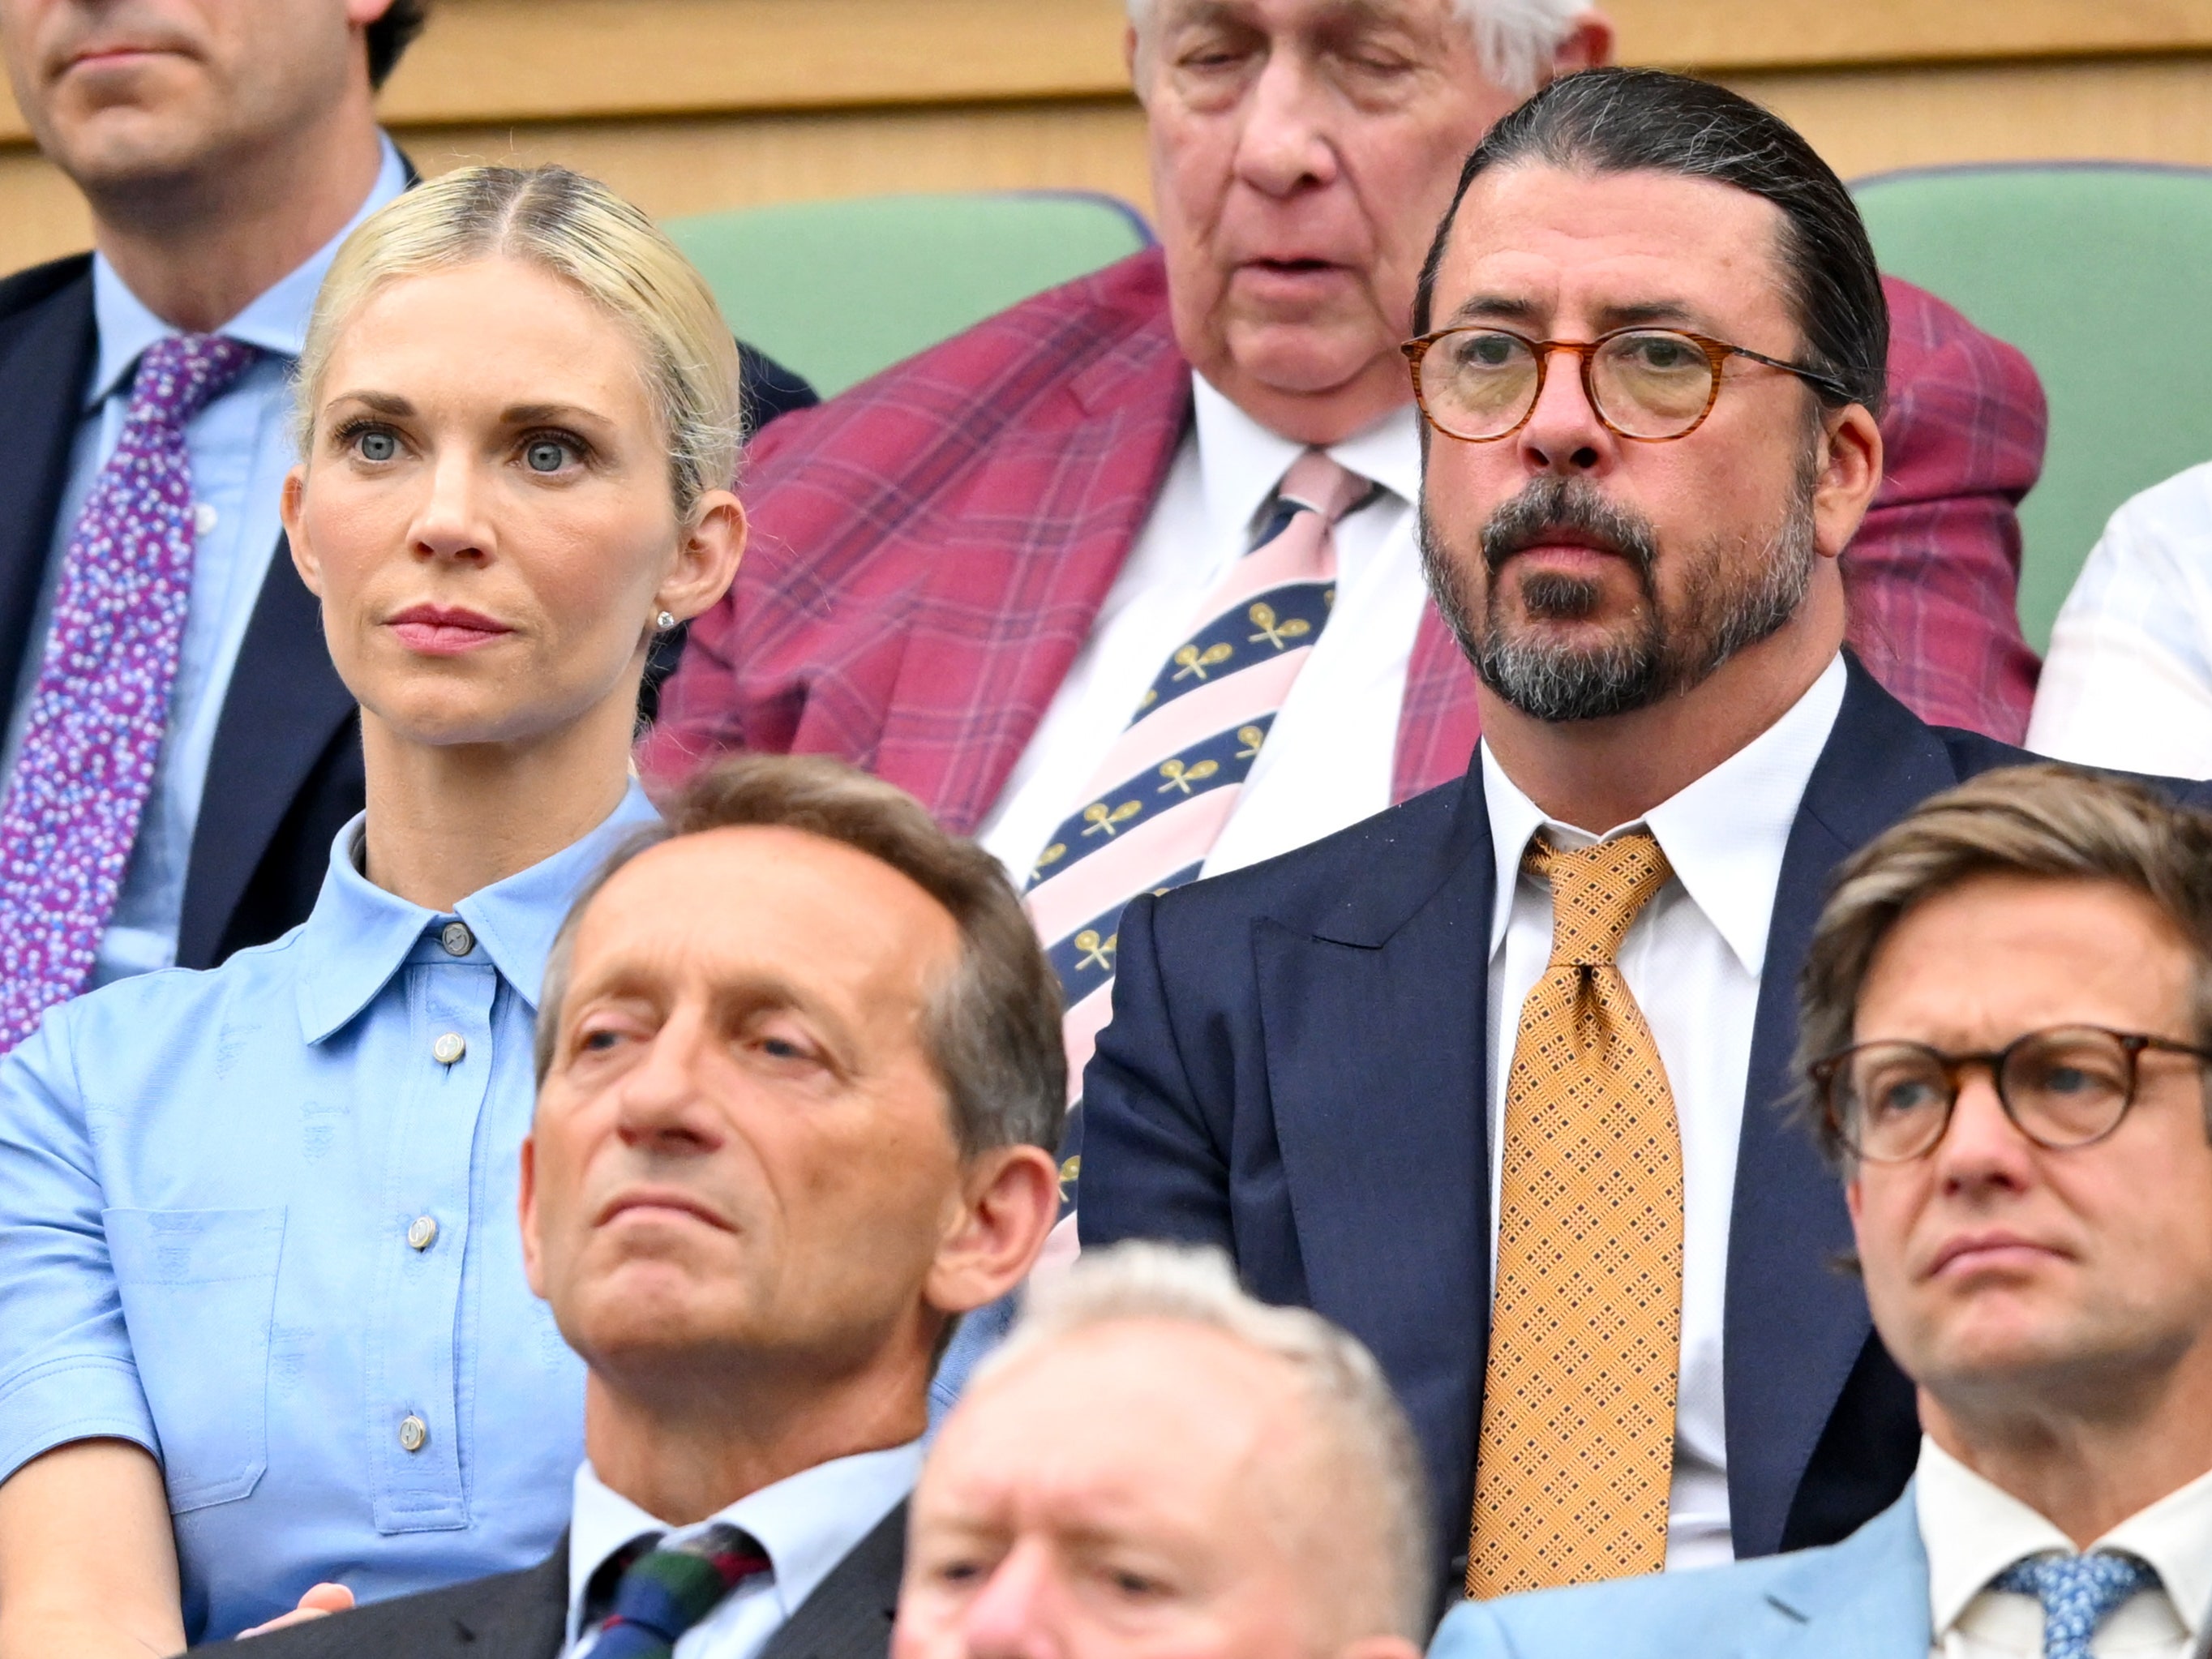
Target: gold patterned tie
(1576, 1451)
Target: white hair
(1517, 39)
(1359, 1431)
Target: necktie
(101, 703)
(1161, 794)
(665, 1592)
(2077, 1592)
(1577, 1447)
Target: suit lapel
(528, 1619)
(1013, 596)
(1865, 1598)
(1375, 1065)
(1794, 1324)
(284, 705)
(45, 354)
(850, 1615)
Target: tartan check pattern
(665, 1592)
(930, 549)
(1576, 1455)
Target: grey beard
(1662, 657)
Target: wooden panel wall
(690, 105)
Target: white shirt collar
(807, 1523)
(1974, 1529)
(276, 321)
(1240, 461)
(1724, 834)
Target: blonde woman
(263, 1294)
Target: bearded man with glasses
(2009, 1003)
(1494, 1079)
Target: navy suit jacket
(285, 773)
(1295, 1073)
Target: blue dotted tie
(2077, 1592)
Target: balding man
(1154, 1462)
(1123, 581)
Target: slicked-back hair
(991, 1028)
(390, 36)
(2054, 823)
(1640, 120)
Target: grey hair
(1515, 40)
(1357, 1422)
(2047, 821)
(991, 1028)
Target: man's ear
(1850, 473)
(1589, 44)
(532, 1269)
(1009, 1196)
(288, 510)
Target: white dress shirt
(805, 1524)
(1693, 959)
(1327, 760)
(1973, 1530)
(240, 448)
(2129, 680)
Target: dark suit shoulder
(850, 1614)
(514, 1615)
(26, 289)
(1354, 886)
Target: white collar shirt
(1329, 758)
(805, 1524)
(1973, 1530)
(1693, 958)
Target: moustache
(1549, 506)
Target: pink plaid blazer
(930, 549)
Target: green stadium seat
(839, 289)
(2099, 272)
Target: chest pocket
(199, 1296)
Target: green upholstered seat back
(2102, 273)
(839, 289)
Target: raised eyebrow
(1493, 308)
(543, 414)
(377, 403)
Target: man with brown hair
(800, 1079)
(2008, 1028)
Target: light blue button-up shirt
(261, 1220)
(240, 448)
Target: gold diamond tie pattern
(1577, 1449)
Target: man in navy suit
(2005, 1008)
(1652, 407)
(225, 148)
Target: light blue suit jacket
(1865, 1598)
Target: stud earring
(663, 622)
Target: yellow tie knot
(1597, 893)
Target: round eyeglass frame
(1718, 352)
(1826, 1072)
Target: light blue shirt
(805, 1524)
(240, 448)
(261, 1220)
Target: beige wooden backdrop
(690, 105)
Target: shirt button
(448, 1049)
(205, 518)
(457, 939)
(423, 1231)
(414, 1433)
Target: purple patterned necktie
(102, 705)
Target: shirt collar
(807, 1523)
(1241, 461)
(1724, 834)
(276, 320)
(358, 935)
(1973, 1529)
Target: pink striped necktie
(1159, 798)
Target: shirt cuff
(67, 1400)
